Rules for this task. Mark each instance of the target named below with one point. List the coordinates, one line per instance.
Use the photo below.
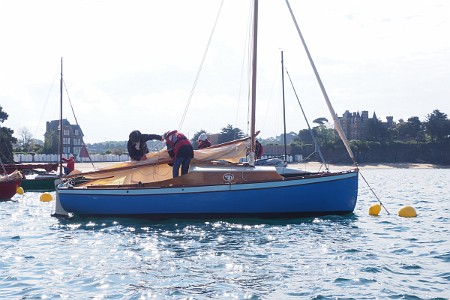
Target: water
(352, 257)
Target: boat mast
(284, 107)
(254, 67)
(60, 148)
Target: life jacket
(71, 164)
(204, 144)
(175, 140)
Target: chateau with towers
(354, 124)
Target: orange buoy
(375, 209)
(407, 212)
(19, 190)
(46, 197)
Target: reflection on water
(353, 257)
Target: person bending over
(137, 144)
(180, 149)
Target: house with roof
(354, 124)
(72, 137)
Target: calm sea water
(351, 257)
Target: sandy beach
(311, 166)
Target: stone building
(354, 124)
(72, 136)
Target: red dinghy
(9, 184)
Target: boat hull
(321, 195)
(8, 189)
(38, 185)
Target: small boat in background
(45, 167)
(9, 184)
(40, 177)
(39, 182)
(37, 177)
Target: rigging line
(200, 68)
(373, 192)
(48, 97)
(8, 150)
(270, 100)
(307, 123)
(76, 121)
(3, 167)
(337, 125)
(247, 38)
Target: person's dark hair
(135, 136)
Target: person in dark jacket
(180, 149)
(137, 144)
(203, 141)
(259, 149)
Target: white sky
(132, 64)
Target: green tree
(6, 139)
(375, 131)
(229, 134)
(3, 115)
(437, 125)
(51, 142)
(407, 131)
(304, 136)
(36, 146)
(117, 151)
(290, 137)
(324, 135)
(413, 127)
(321, 121)
(25, 139)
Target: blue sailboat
(217, 185)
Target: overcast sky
(132, 64)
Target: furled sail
(337, 125)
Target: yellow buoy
(46, 197)
(407, 212)
(19, 190)
(375, 209)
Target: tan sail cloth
(156, 167)
(14, 176)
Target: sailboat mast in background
(60, 148)
(284, 107)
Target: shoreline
(87, 166)
(379, 166)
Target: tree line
(403, 141)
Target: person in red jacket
(180, 149)
(203, 141)
(70, 164)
